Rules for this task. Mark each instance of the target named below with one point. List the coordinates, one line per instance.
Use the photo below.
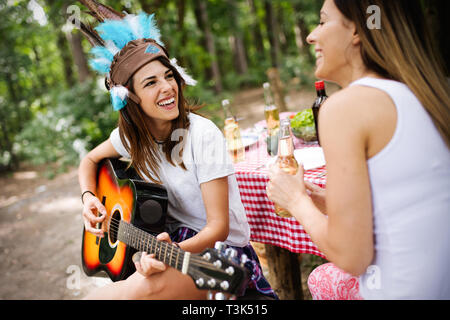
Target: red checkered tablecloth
(266, 227)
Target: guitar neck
(143, 241)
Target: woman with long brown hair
(386, 138)
(169, 145)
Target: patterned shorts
(258, 282)
(328, 282)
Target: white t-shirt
(410, 183)
(206, 158)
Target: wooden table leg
(285, 272)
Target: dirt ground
(41, 224)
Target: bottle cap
(320, 85)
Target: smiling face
(157, 88)
(336, 44)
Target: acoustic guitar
(136, 213)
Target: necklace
(158, 141)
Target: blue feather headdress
(114, 36)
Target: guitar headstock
(219, 269)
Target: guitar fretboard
(143, 241)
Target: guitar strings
(139, 241)
(141, 234)
(139, 238)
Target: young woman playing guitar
(170, 145)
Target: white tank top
(410, 183)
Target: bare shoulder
(362, 113)
(358, 97)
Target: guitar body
(136, 213)
(125, 198)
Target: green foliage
(66, 125)
(45, 118)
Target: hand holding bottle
(286, 160)
(285, 189)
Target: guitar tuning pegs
(244, 259)
(217, 263)
(207, 256)
(219, 296)
(231, 253)
(224, 285)
(200, 282)
(211, 283)
(210, 295)
(220, 246)
(229, 270)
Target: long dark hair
(403, 50)
(137, 139)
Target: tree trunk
(277, 89)
(282, 32)
(79, 56)
(66, 59)
(58, 20)
(42, 86)
(285, 273)
(7, 143)
(151, 6)
(272, 32)
(238, 43)
(257, 35)
(157, 7)
(301, 31)
(203, 23)
(181, 6)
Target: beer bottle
(321, 97)
(232, 134)
(286, 160)
(272, 117)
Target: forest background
(53, 108)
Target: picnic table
(284, 238)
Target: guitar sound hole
(114, 228)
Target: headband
(127, 45)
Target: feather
(119, 96)
(109, 12)
(118, 32)
(102, 52)
(91, 35)
(113, 33)
(134, 24)
(101, 65)
(101, 12)
(152, 29)
(111, 47)
(186, 77)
